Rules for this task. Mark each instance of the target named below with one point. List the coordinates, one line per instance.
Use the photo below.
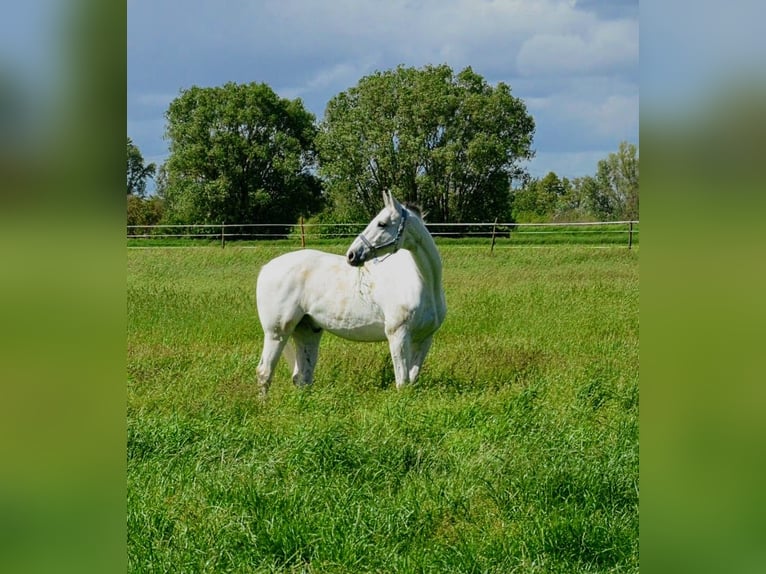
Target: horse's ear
(389, 200)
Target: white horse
(388, 287)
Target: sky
(575, 63)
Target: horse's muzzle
(354, 258)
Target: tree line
(610, 194)
(449, 142)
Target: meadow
(516, 451)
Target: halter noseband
(374, 248)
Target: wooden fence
(494, 233)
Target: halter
(374, 248)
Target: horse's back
(295, 259)
(288, 272)
(295, 266)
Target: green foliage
(239, 154)
(579, 201)
(611, 194)
(332, 224)
(539, 199)
(138, 173)
(451, 143)
(144, 210)
(516, 452)
(617, 178)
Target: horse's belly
(348, 317)
(366, 333)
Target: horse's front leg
(400, 345)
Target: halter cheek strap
(366, 241)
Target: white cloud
(601, 47)
(616, 116)
(581, 118)
(335, 74)
(330, 80)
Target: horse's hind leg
(306, 338)
(419, 352)
(272, 349)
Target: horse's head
(384, 234)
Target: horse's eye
(381, 223)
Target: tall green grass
(517, 451)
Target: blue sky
(574, 63)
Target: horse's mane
(414, 208)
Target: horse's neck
(426, 257)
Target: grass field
(517, 451)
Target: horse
(388, 287)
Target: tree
(610, 194)
(138, 173)
(239, 154)
(144, 210)
(451, 143)
(577, 202)
(540, 199)
(617, 178)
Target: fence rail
(499, 232)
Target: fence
(496, 233)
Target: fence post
(223, 237)
(630, 236)
(492, 248)
(303, 234)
